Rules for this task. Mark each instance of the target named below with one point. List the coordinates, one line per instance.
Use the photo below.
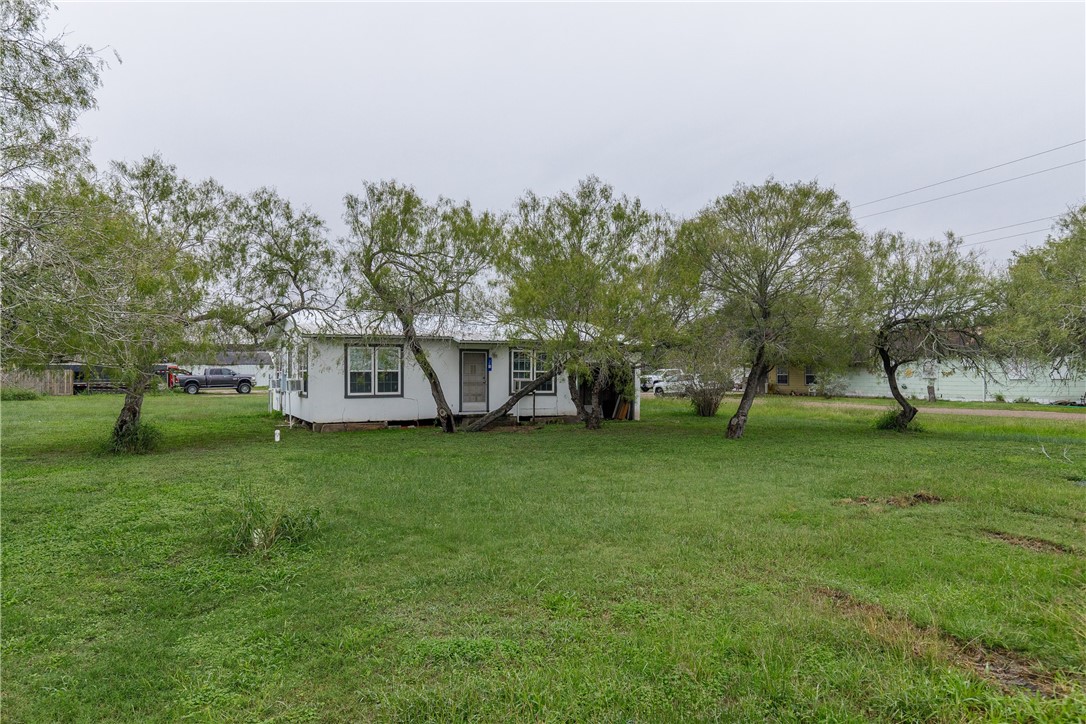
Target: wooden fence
(45, 382)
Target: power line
(1024, 233)
(976, 188)
(974, 173)
(1010, 226)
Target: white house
(351, 376)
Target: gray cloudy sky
(673, 103)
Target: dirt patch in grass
(1008, 670)
(530, 427)
(921, 497)
(1034, 544)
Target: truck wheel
(245, 388)
(659, 392)
(192, 388)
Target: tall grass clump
(891, 420)
(14, 394)
(256, 529)
(138, 439)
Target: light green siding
(1037, 385)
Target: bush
(254, 530)
(706, 400)
(12, 394)
(891, 420)
(999, 397)
(1022, 400)
(138, 439)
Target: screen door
(473, 381)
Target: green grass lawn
(650, 571)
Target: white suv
(674, 384)
(649, 381)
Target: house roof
(449, 327)
(235, 356)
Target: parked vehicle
(88, 378)
(648, 381)
(675, 384)
(169, 372)
(216, 377)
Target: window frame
(534, 372)
(785, 373)
(810, 376)
(303, 369)
(373, 370)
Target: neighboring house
(1023, 382)
(792, 380)
(344, 376)
(243, 359)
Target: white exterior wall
(262, 374)
(326, 400)
(965, 387)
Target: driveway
(1034, 414)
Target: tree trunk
(444, 412)
(594, 419)
(493, 415)
(757, 373)
(132, 408)
(908, 412)
(575, 395)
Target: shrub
(1022, 400)
(999, 397)
(706, 399)
(255, 530)
(891, 420)
(12, 394)
(138, 439)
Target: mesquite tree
(83, 278)
(1043, 314)
(580, 272)
(776, 261)
(44, 85)
(415, 259)
(928, 301)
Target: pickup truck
(215, 377)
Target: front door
(473, 378)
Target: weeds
(13, 394)
(256, 530)
(138, 439)
(891, 420)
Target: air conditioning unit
(294, 385)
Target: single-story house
(243, 359)
(349, 375)
(1021, 382)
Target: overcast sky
(672, 103)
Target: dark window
(782, 376)
(809, 376)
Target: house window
(373, 370)
(303, 369)
(387, 363)
(528, 366)
(809, 376)
(782, 376)
(360, 370)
